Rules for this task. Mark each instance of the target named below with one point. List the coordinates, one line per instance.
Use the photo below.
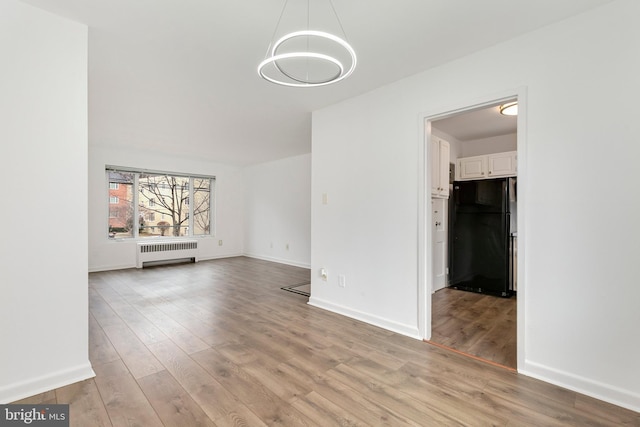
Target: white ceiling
(181, 75)
(477, 124)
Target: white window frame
(136, 202)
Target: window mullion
(212, 207)
(191, 198)
(136, 208)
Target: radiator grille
(161, 252)
(164, 247)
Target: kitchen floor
(481, 325)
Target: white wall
(107, 254)
(43, 249)
(495, 144)
(578, 293)
(277, 211)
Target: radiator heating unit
(153, 253)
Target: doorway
(474, 323)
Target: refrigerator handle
(505, 196)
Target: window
(120, 204)
(201, 206)
(183, 202)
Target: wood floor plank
(146, 331)
(369, 410)
(217, 402)
(501, 397)
(256, 395)
(416, 410)
(48, 397)
(86, 407)
(608, 413)
(442, 396)
(172, 403)
(172, 329)
(268, 372)
(100, 348)
(132, 351)
(325, 412)
(123, 399)
(234, 378)
(101, 311)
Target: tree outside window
(164, 194)
(182, 202)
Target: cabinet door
(439, 167)
(435, 167)
(444, 168)
(472, 168)
(502, 164)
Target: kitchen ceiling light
(286, 65)
(509, 109)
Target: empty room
(276, 212)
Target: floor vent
(159, 252)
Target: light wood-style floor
(219, 343)
(477, 324)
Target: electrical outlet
(287, 246)
(324, 274)
(219, 242)
(342, 281)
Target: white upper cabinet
(502, 164)
(440, 152)
(472, 168)
(489, 166)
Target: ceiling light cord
(338, 19)
(275, 30)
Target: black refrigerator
(482, 235)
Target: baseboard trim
(407, 330)
(278, 260)
(33, 386)
(110, 268)
(211, 258)
(127, 266)
(605, 392)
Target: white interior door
(439, 228)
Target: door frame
(425, 238)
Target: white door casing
(426, 221)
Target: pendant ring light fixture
(274, 67)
